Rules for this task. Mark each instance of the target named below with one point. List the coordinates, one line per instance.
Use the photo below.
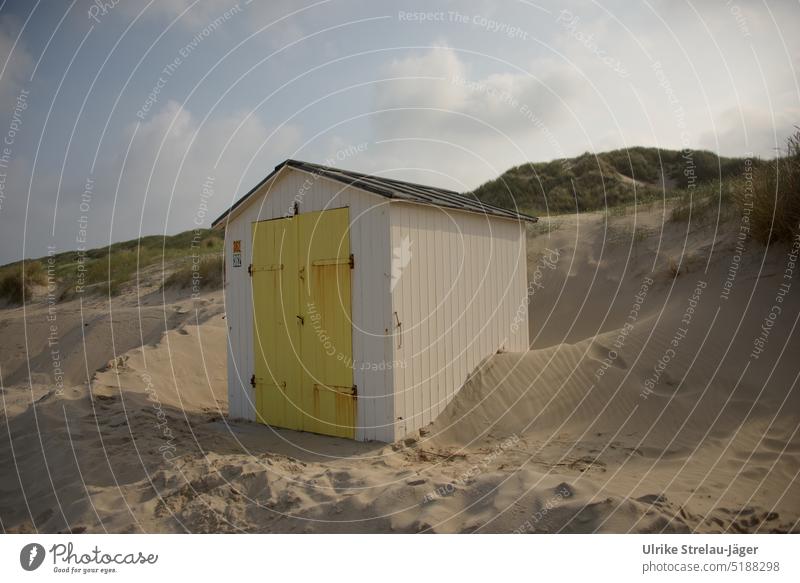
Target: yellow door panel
(276, 334)
(302, 324)
(325, 272)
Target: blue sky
(144, 102)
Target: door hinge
(352, 261)
(250, 270)
(253, 381)
(350, 391)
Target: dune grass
(108, 270)
(765, 197)
(199, 273)
(592, 182)
(15, 285)
(773, 201)
(707, 203)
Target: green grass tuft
(773, 197)
(605, 181)
(16, 288)
(202, 273)
(108, 270)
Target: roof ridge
(365, 175)
(389, 188)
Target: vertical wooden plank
(382, 262)
(365, 318)
(499, 257)
(447, 268)
(483, 320)
(360, 297)
(452, 302)
(436, 316)
(508, 261)
(398, 348)
(459, 242)
(522, 285)
(245, 322)
(423, 292)
(410, 277)
(373, 320)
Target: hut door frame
(302, 324)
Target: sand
(643, 406)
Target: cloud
(172, 157)
(499, 103)
(15, 168)
(491, 122)
(255, 15)
(157, 188)
(192, 14)
(18, 65)
(751, 131)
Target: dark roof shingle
(390, 188)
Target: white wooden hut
(358, 305)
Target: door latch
(399, 327)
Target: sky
(123, 118)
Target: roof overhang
(385, 187)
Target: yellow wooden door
(329, 395)
(277, 377)
(302, 323)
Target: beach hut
(358, 305)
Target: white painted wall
(369, 241)
(456, 300)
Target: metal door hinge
(259, 381)
(352, 261)
(251, 269)
(350, 391)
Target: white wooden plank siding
(456, 300)
(371, 308)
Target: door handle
(399, 327)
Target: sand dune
(640, 408)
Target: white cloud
(502, 118)
(172, 156)
(499, 103)
(752, 131)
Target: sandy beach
(657, 397)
